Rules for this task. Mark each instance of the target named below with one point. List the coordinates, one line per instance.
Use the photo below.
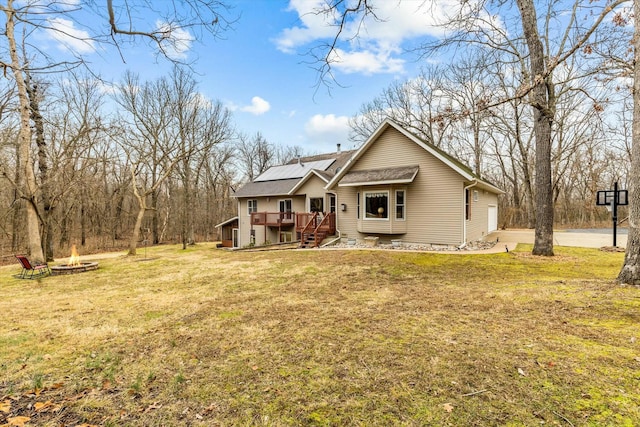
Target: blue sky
(258, 69)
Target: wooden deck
(273, 219)
(310, 227)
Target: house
(279, 204)
(395, 186)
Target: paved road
(589, 239)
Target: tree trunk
(30, 187)
(83, 217)
(542, 120)
(16, 223)
(155, 219)
(630, 272)
(43, 166)
(135, 236)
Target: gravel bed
(471, 246)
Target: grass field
(208, 337)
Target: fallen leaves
(154, 405)
(47, 406)
(19, 421)
(448, 407)
(19, 409)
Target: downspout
(464, 213)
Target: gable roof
(285, 180)
(267, 188)
(229, 221)
(400, 175)
(463, 170)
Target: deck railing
(328, 224)
(274, 219)
(305, 222)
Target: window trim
(252, 206)
(358, 205)
(388, 217)
(404, 205)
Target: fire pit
(73, 269)
(74, 265)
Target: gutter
(464, 213)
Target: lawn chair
(32, 270)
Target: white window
(358, 205)
(252, 206)
(376, 205)
(400, 203)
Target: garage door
(493, 218)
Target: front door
(234, 237)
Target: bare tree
(472, 24)
(255, 155)
(200, 125)
(24, 18)
(630, 271)
(416, 104)
(150, 141)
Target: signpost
(612, 199)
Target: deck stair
(316, 230)
(312, 240)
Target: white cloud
(313, 25)
(68, 37)
(327, 129)
(369, 45)
(258, 106)
(366, 62)
(177, 41)
(107, 88)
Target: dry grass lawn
(208, 337)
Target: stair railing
(309, 226)
(324, 224)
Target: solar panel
(296, 170)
